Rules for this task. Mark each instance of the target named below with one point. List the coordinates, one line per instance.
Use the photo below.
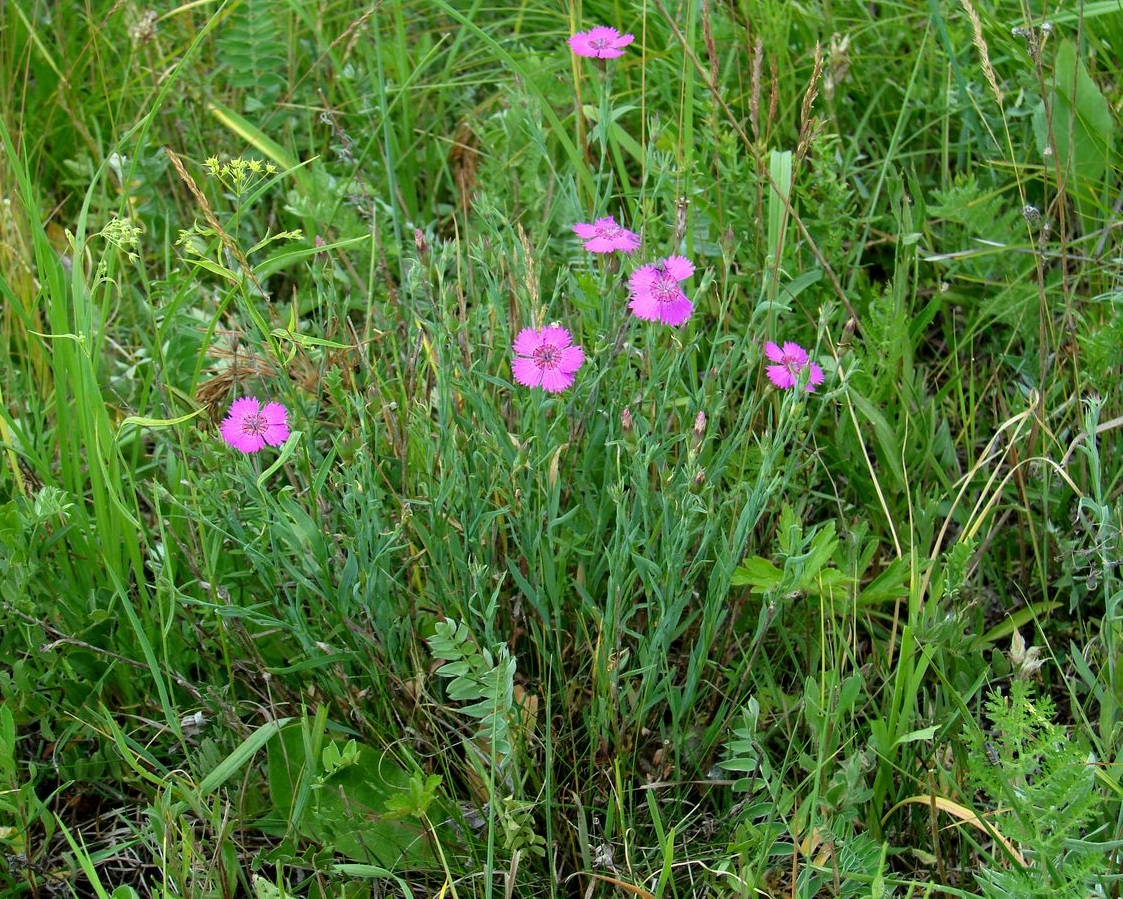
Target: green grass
(671, 632)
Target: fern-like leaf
(485, 681)
(252, 50)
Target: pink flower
(604, 236)
(546, 358)
(601, 42)
(790, 362)
(656, 295)
(248, 426)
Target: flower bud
(699, 426)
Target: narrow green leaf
(230, 765)
(142, 421)
(915, 736)
(287, 449)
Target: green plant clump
(539, 449)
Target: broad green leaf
(829, 582)
(1081, 123)
(1015, 620)
(780, 167)
(801, 282)
(823, 545)
(215, 269)
(263, 889)
(851, 688)
(758, 573)
(889, 585)
(350, 810)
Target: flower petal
(527, 341)
(780, 376)
(678, 267)
(600, 244)
(645, 306)
(555, 336)
(555, 380)
(643, 279)
(602, 33)
(233, 428)
(579, 44)
(246, 405)
(231, 432)
(773, 352)
(526, 372)
(277, 424)
(676, 311)
(571, 358)
(275, 414)
(628, 241)
(250, 442)
(795, 353)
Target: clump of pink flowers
(790, 361)
(605, 236)
(249, 426)
(656, 294)
(546, 357)
(600, 42)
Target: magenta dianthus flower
(605, 236)
(601, 42)
(249, 426)
(656, 295)
(790, 361)
(546, 358)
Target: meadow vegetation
(764, 541)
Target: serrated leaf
(823, 545)
(889, 585)
(345, 810)
(758, 573)
(830, 581)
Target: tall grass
(670, 632)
